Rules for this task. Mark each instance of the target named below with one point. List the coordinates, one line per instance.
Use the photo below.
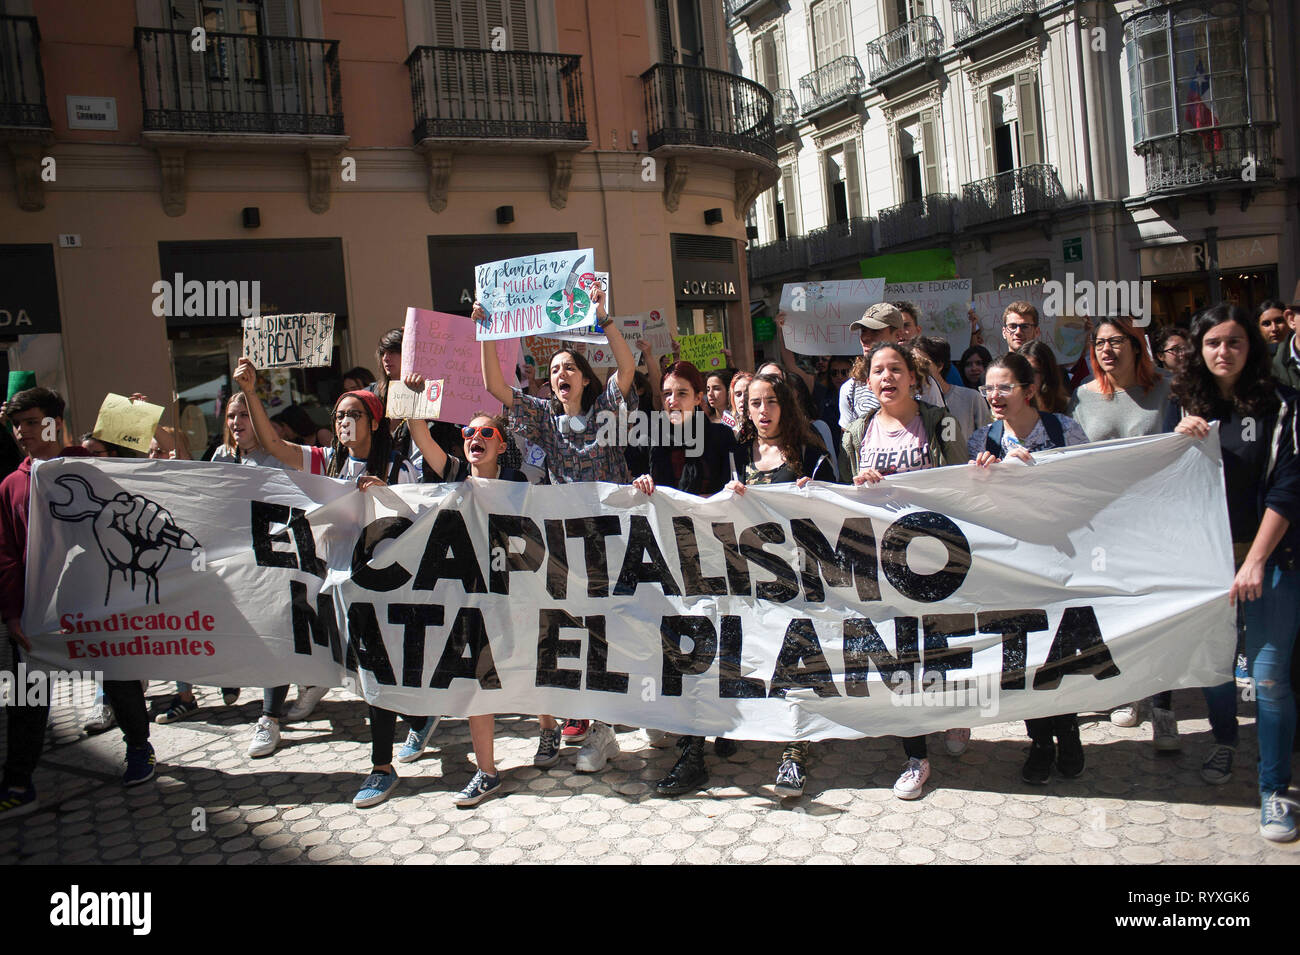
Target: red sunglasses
(488, 431)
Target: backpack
(1051, 424)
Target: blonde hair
(227, 439)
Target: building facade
(355, 158)
(1033, 138)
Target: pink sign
(438, 345)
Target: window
(689, 32)
(830, 20)
(470, 23)
(918, 156)
(782, 212)
(843, 192)
(1010, 128)
(905, 11)
(769, 61)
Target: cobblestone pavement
(1130, 806)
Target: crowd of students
(902, 405)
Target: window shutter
(769, 209)
(664, 24)
(771, 71)
(521, 33)
(851, 187)
(778, 54)
(839, 27)
(930, 151)
(471, 24)
(819, 34)
(444, 25)
(1031, 141)
(790, 197)
(711, 33)
(281, 18)
(760, 63)
(986, 130)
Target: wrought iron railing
(482, 94)
(698, 106)
(239, 83)
(1018, 192)
(1225, 154)
(917, 40)
(842, 240)
(787, 107)
(839, 79)
(923, 218)
(975, 18)
(22, 81)
(778, 257)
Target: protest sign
(128, 423)
(589, 282)
(944, 304)
(955, 596)
(438, 345)
(425, 404)
(1064, 333)
(535, 294)
(655, 330)
(703, 351)
(289, 341)
(818, 315)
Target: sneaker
(230, 695)
(548, 749)
(1240, 672)
(789, 779)
(17, 803)
(1275, 821)
(178, 709)
(659, 739)
(1038, 767)
(911, 782)
(101, 719)
(139, 765)
(600, 746)
(480, 787)
(1069, 754)
(266, 738)
(1125, 715)
(1217, 768)
(956, 741)
(575, 731)
(1164, 731)
(376, 788)
(309, 698)
(417, 741)
(688, 773)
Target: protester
(1019, 325)
(1019, 429)
(879, 323)
(902, 434)
(778, 447)
(799, 387)
(1173, 348)
(568, 428)
(911, 326)
(717, 391)
(169, 443)
(968, 409)
(739, 388)
(1286, 363)
(1227, 380)
(356, 379)
(1272, 325)
(972, 364)
(1051, 394)
(704, 474)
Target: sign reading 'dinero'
(29, 293)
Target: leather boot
(689, 773)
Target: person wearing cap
(882, 322)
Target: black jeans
(273, 698)
(26, 736)
(383, 729)
(914, 747)
(1045, 730)
(126, 697)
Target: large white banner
(950, 597)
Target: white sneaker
(956, 741)
(911, 783)
(601, 744)
(1164, 731)
(659, 739)
(1126, 715)
(309, 698)
(101, 719)
(266, 738)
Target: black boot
(1038, 767)
(689, 773)
(725, 748)
(1069, 751)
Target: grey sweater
(1126, 414)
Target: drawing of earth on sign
(566, 309)
(949, 322)
(1067, 337)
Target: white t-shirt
(317, 461)
(255, 458)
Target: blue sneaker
(376, 788)
(1275, 820)
(16, 803)
(1241, 674)
(417, 741)
(139, 765)
(178, 709)
(479, 788)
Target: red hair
(688, 373)
(1143, 366)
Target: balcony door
(689, 34)
(475, 82)
(843, 192)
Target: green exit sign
(1073, 249)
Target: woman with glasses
(1019, 429)
(1127, 398)
(1228, 380)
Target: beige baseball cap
(878, 316)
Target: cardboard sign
(442, 347)
(128, 423)
(944, 304)
(818, 315)
(654, 330)
(425, 404)
(289, 341)
(704, 351)
(535, 294)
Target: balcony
(837, 83)
(697, 109)
(849, 239)
(924, 219)
(462, 97)
(737, 9)
(780, 257)
(1029, 190)
(979, 20)
(787, 108)
(915, 43)
(22, 81)
(1207, 159)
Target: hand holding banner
(289, 341)
(535, 294)
(128, 423)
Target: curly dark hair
(1254, 393)
(792, 433)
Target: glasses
(488, 431)
(354, 415)
(1003, 390)
(1116, 342)
(1014, 327)
(1177, 352)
